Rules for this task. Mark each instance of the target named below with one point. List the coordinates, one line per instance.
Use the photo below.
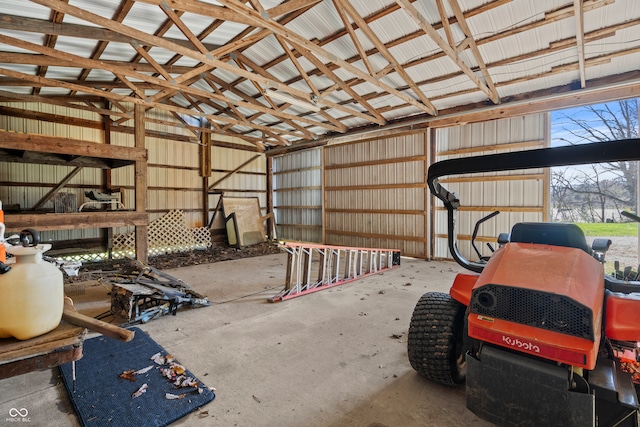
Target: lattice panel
(167, 234)
(202, 235)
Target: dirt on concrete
(90, 270)
(623, 249)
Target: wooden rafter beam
(428, 29)
(470, 40)
(119, 15)
(276, 28)
(241, 40)
(394, 43)
(364, 27)
(579, 18)
(217, 106)
(373, 115)
(377, 15)
(559, 45)
(445, 22)
(189, 6)
(20, 97)
(240, 61)
(151, 61)
(290, 6)
(113, 97)
(336, 123)
(296, 63)
(43, 26)
(90, 63)
(130, 85)
(203, 8)
(184, 28)
(143, 51)
(50, 41)
(44, 60)
(354, 38)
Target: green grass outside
(594, 229)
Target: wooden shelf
(45, 149)
(62, 221)
(51, 150)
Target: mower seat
(547, 233)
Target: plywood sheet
(248, 219)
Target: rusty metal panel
(519, 195)
(297, 195)
(375, 194)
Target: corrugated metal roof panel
(23, 36)
(318, 23)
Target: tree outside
(595, 193)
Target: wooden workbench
(62, 345)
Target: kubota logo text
(516, 343)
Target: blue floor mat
(102, 398)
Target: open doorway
(593, 196)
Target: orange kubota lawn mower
(537, 331)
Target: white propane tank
(31, 294)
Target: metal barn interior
(327, 112)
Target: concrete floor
(324, 359)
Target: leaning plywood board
(249, 222)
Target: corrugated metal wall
(173, 180)
(249, 181)
(518, 195)
(297, 195)
(375, 194)
(26, 184)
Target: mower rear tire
(436, 339)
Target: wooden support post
(271, 222)
(205, 172)
(429, 207)
(142, 232)
(106, 179)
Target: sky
(560, 125)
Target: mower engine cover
(622, 316)
(542, 300)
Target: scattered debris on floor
(140, 391)
(93, 270)
(171, 396)
(141, 293)
(131, 374)
(173, 371)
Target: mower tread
(435, 329)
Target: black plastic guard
(508, 389)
